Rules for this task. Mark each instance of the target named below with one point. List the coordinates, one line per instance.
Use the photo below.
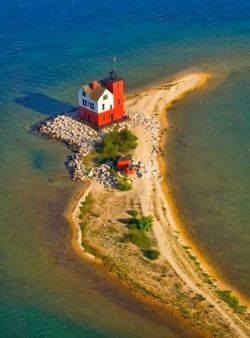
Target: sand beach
(179, 282)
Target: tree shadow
(44, 104)
(124, 221)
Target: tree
(117, 142)
(143, 223)
(152, 254)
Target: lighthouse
(102, 102)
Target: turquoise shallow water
(49, 48)
(209, 172)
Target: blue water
(48, 49)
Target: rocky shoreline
(176, 280)
(82, 138)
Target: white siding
(98, 106)
(109, 101)
(88, 100)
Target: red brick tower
(115, 85)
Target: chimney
(94, 85)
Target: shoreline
(162, 160)
(163, 118)
(71, 215)
(172, 216)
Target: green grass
(113, 144)
(133, 213)
(232, 301)
(88, 248)
(137, 235)
(86, 206)
(124, 184)
(89, 159)
(138, 238)
(113, 172)
(143, 223)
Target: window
(111, 106)
(118, 84)
(103, 117)
(83, 93)
(84, 102)
(105, 97)
(92, 106)
(118, 101)
(103, 106)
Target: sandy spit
(156, 102)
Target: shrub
(117, 142)
(139, 238)
(152, 254)
(232, 301)
(144, 223)
(124, 184)
(199, 298)
(133, 213)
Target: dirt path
(153, 103)
(153, 200)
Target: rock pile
(102, 174)
(150, 125)
(79, 136)
(82, 138)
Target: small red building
(124, 165)
(102, 102)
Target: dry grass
(103, 234)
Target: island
(124, 219)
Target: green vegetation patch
(199, 298)
(133, 213)
(86, 205)
(90, 159)
(143, 223)
(117, 142)
(152, 254)
(124, 184)
(232, 301)
(139, 238)
(138, 227)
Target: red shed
(124, 164)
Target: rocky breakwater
(82, 138)
(151, 127)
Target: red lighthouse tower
(115, 85)
(102, 102)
